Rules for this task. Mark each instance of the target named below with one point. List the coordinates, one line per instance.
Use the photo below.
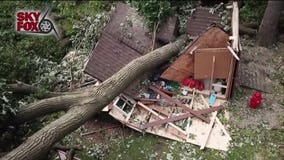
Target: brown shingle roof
(108, 57)
(200, 20)
(124, 39)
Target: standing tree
(268, 29)
(82, 106)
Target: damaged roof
(212, 37)
(109, 56)
(125, 38)
(200, 20)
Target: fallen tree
(82, 106)
(268, 29)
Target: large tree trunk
(268, 28)
(40, 143)
(54, 102)
(47, 106)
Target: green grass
(246, 144)
(137, 146)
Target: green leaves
(87, 32)
(252, 11)
(154, 11)
(8, 105)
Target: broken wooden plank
(122, 120)
(212, 74)
(229, 7)
(178, 103)
(235, 26)
(168, 92)
(218, 121)
(193, 49)
(161, 110)
(203, 144)
(180, 117)
(230, 78)
(218, 85)
(218, 49)
(233, 52)
(204, 92)
(161, 117)
(231, 38)
(147, 100)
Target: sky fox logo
(34, 22)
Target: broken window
(125, 104)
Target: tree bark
(26, 89)
(268, 28)
(59, 101)
(41, 142)
(47, 106)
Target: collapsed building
(181, 100)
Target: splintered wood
(177, 122)
(235, 27)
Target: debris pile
(180, 101)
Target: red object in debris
(197, 83)
(192, 83)
(200, 86)
(186, 81)
(255, 100)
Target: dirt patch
(270, 114)
(257, 67)
(270, 63)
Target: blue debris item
(168, 87)
(212, 99)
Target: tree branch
(41, 142)
(47, 106)
(23, 88)
(59, 101)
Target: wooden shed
(207, 59)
